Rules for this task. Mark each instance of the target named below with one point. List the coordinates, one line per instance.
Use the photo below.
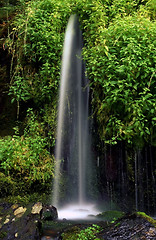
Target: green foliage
(7, 8)
(24, 160)
(39, 34)
(37, 39)
(25, 199)
(122, 71)
(149, 10)
(86, 234)
(120, 57)
(119, 50)
(3, 234)
(121, 8)
(20, 89)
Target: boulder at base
(49, 213)
(18, 222)
(134, 227)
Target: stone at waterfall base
(129, 226)
(30, 225)
(17, 222)
(49, 213)
(133, 227)
(24, 223)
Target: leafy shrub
(25, 161)
(86, 234)
(122, 73)
(39, 34)
(120, 58)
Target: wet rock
(6, 221)
(14, 206)
(23, 229)
(5, 206)
(28, 226)
(16, 235)
(19, 212)
(129, 227)
(49, 213)
(20, 223)
(152, 232)
(36, 208)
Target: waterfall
(73, 156)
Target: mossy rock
(110, 216)
(16, 219)
(148, 218)
(3, 234)
(71, 234)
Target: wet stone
(18, 223)
(16, 235)
(37, 207)
(14, 206)
(6, 221)
(19, 212)
(132, 228)
(49, 213)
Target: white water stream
(73, 155)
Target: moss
(148, 218)
(110, 216)
(3, 234)
(71, 233)
(27, 198)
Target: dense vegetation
(119, 50)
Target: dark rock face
(49, 213)
(37, 221)
(24, 229)
(130, 227)
(17, 222)
(24, 223)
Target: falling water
(136, 182)
(73, 140)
